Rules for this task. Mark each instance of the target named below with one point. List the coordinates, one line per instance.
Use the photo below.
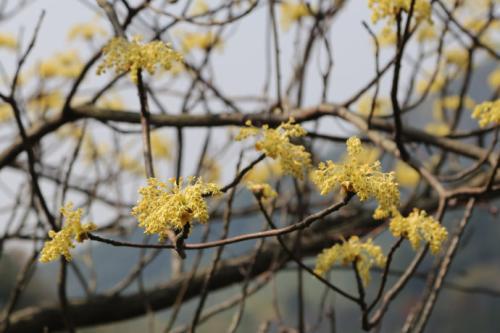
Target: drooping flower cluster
(364, 254)
(388, 9)
(275, 143)
(62, 241)
(418, 227)
(170, 206)
(135, 55)
(365, 179)
(487, 113)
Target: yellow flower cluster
(365, 179)
(426, 32)
(46, 101)
(382, 106)
(91, 151)
(263, 172)
(6, 113)
(199, 7)
(210, 170)
(65, 64)
(262, 190)
(130, 164)
(457, 57)
(292, 12)
(275, 143)
(487, 113)
(160, 146)
(8, 41)
(170, 206)
(406, 175)
(387, 37)
(494, 79)
(62, 241)
(382, 9)
(114, 103)
(86, 31)
(364, 254)
(418, 227)
(436, 85)
(438, 128)
(200, 40)
(133, 56)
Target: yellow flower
(406, 175)
(434, 86)
(170, 206)
(62, 241)
(130, 164)
(64, 64)
(91, 151)
(458, 57)
(199, 7)
(199, 40)
(8, 41)
(365, 255)
(387, 37)
(210, 170)
(494, 79)
(70, 130)
(438, 128)
(5, 113)
(382, 106)
(292, 12)
(46, 101)
(418, 227)
(275, 143)
(133, 56)
(426, 32)
(388, 9)
(86, 31)
(487, 113)
(263, 172)
(450, 103)
(114, 103)
(365, 179)
(262, 190)
(160, 146)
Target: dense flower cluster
(365, 179)
(170, 206)
(62, 241)
(418, 227)
(135, 55)
(487, 113)
(275, 143)
(388, 9)
(364, 254)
